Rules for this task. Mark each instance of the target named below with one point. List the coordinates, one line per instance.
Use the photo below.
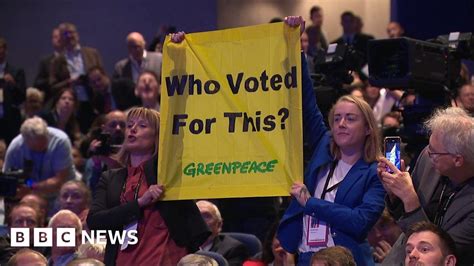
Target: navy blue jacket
(359, 199)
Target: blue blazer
(359, 199)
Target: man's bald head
(136, 45)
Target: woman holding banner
(129, 199)
(341, 197)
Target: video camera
(429, 68)
(9, 182)
(109, 144)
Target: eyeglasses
(433, 154)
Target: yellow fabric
(263, 159)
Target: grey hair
(456, 129)
(197, 260)
(97, 248)
(205, 203)
(34, 127)
(68, 213)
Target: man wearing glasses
(441, 189)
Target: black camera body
(9, 182)
(109, 144)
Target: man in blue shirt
(43, 151)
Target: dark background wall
(425, 19)
(103, 24)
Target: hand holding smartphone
(392, 151)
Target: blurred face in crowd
(347, 23)
(394, 30)
(33, 104)
(140, 136)
(425, 248)
(29, 258)
(389, 121)
(41, 204)
(73, 198)
(65, 104)
(304, 42)
(147, 88)
(77, 159)
(349, 127)
(24, 217)
(209, 215)
(442, 161)
(66, 221)
(56, 39)
(466, 97)
(384, 230)
(115, 123)
(317, 18)
(69, 36)
(98, 81)
(372, 93)
(136, 46)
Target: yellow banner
(231, 113)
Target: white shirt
(339, 174)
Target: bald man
(138, 60)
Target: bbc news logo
(66, 237)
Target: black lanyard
(443, 208)
(135, 194)
(330, 174)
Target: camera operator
(48, 150)
(103, 146)
(441, 186)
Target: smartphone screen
(392, 150)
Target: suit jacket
(359, 199)
(13, 97)
(458, 220)
(231, 249)
(59, 74)
(123, 92)
(123, 68)
(42, 77)
(183, 219)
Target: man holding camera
(44, 154)
(103, 146)
(441, 186)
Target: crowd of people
(85, 145)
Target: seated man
(442, 186)
(44, 154)
(234, 251)
(112, 131)
(429, 245)
(76, 197)
(64, 219)
(21, 215)
(27, 256)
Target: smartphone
(392, 150)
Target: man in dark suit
(442, 185)
(138, 60)
(234, 251)
(44, 70)
(351, 37)
(12, 95)
(70, 69)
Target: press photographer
(48, 149)
(106, 141)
